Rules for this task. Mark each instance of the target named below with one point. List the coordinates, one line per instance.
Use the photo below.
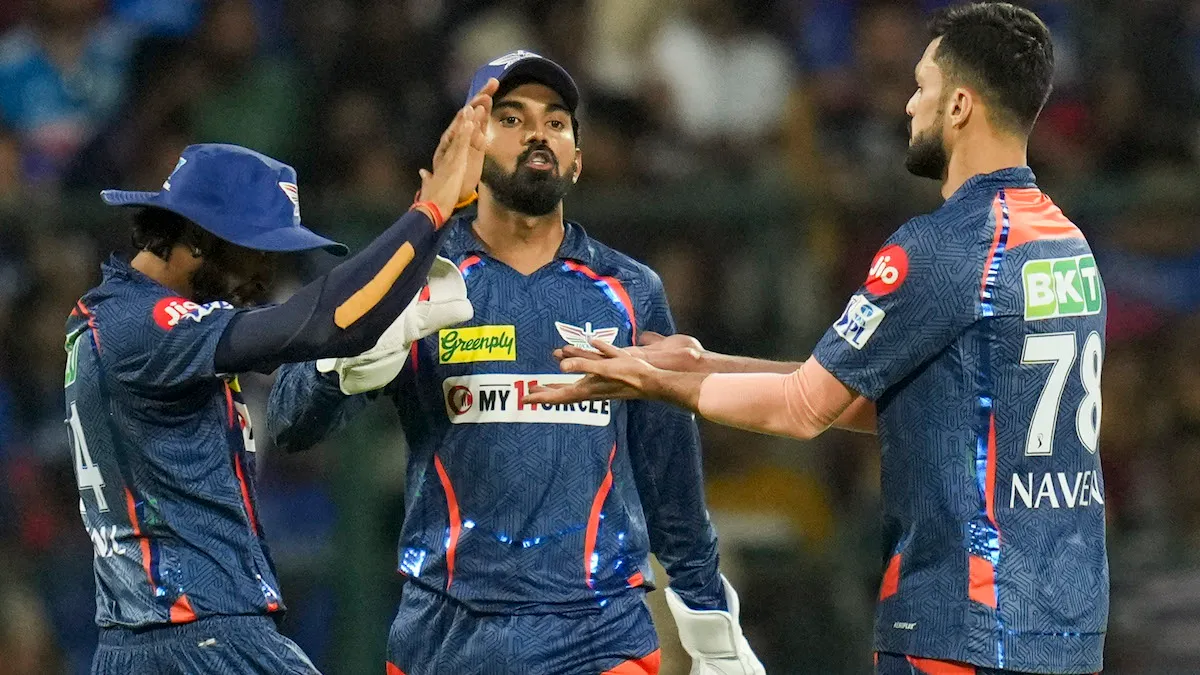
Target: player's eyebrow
(557, 107)
(508, 105)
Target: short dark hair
(1002, 51)
(159, 230)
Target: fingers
(606, 349)
(586, 389)
(460, 139)
(480, 105)
(554, 395)
(570, 352)
(484, 96)
(578, 365)
(444, 141)
(479, 134)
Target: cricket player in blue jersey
(528, 528)
(163, 448)
(974, 350)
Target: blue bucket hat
(239, 195)
(526, 64)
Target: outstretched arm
(741, 386)
(344, 312)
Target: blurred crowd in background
(750, 151)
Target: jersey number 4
(1059, 350)
(87, 472)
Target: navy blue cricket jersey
(164, 458)
(517, 508)
(980, 336)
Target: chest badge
(582, 337)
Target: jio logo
(888, 271)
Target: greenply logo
(1060, 287)
(477, 343)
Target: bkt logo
(1059, 287)
(486, 399)
(168, 312)
(888, 271)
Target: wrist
(708, 362)
(677, 388)
(435, 211)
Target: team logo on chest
(582, 337)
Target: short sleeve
(920, 294)
(656, 316)
(166, 344)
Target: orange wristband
(435, 214)
(468, 201)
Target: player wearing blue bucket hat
(163, 445)
(236, 194)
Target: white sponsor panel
(500, 398)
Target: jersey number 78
(1059, 350)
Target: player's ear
(578, 165)
(961, 106)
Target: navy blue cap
(526, 64)
(239, 195)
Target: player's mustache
(534, 147)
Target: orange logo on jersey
(888, 271)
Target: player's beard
(529, 191)
(927, 156)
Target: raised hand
(458, 160)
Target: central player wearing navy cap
(528, 529)
(163, 447)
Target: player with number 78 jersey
(974, 350)
(979, 334)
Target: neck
(523, 242)
(163, 272)
(982, 152)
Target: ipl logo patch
(859, 321)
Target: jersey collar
(1013, 177)
(576, 245)
(119, 268)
